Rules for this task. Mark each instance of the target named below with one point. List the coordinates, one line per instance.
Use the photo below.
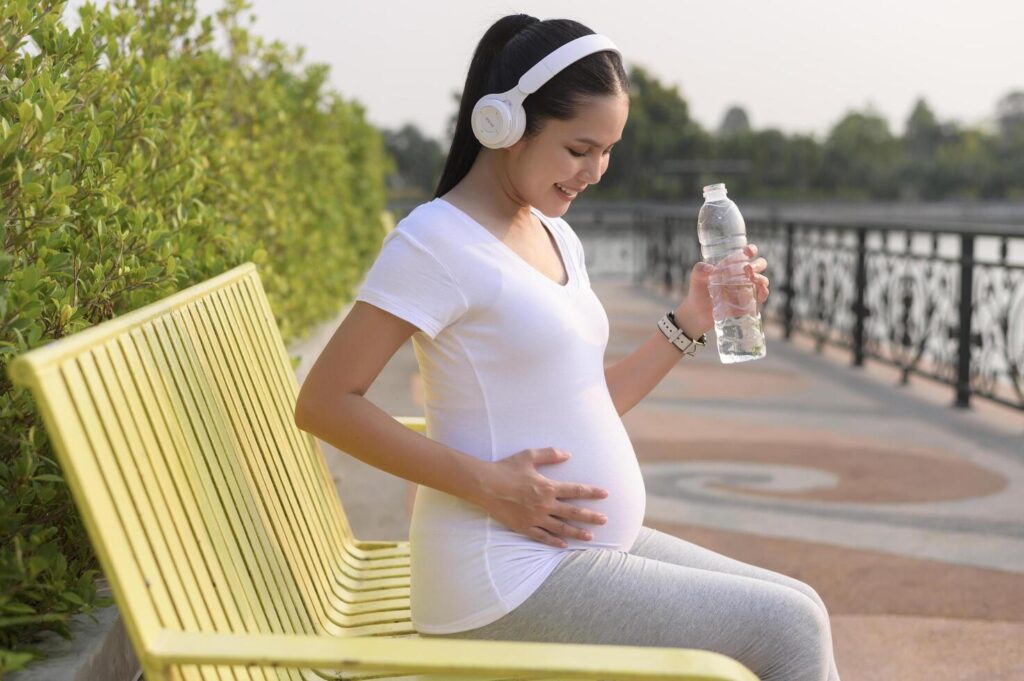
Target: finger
(751, 250)
(582, 514)
(559, 527)
(545, 537)
(734, 257)
(550, 455)
(736, 268)
(757, 279)
(578, 490)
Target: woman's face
(573, 153)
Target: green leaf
(18, 609)
(48, 477)
(26, 112)
(72, 597)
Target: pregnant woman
(528, 518)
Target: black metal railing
(916, 296)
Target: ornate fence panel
(944, 299)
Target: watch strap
(675, 335)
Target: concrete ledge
(96, 652)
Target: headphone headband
(565, 55)
(499, 120)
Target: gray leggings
(668, 592)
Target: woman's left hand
(696, 310)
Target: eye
(579, 155)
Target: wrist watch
(675, 335)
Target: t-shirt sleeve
(408, 281)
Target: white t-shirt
(510, 360)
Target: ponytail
(465, 145)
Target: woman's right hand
(519, 497)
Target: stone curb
(97, 651)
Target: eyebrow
(594, 143)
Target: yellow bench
(219, 527)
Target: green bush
(135, 160)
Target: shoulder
(428, 226)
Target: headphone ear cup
(518, 126)
(491, 121)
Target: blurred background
(875, 101)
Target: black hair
(509, 48)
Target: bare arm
(633, 377)
(331, 405)
(358, 427)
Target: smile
(568, 192)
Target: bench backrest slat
(265, 443)
(208, 508)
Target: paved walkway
(905, 514)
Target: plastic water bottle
(723, 236)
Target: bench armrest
(458, 658)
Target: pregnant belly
(437, 514)
(615, 469)
(602, 457)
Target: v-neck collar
(570, 272)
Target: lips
(567, 191)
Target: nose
(593, 171)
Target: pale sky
(797, 65)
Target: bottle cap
(718, 189)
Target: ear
(512, 153)
(521, 144)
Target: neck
(488, 188)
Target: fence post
(859, 308)
(963, 379)
(790, 290)
(666, 254)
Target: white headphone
(499, 120)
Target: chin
(553, 209)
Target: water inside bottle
(738, 325)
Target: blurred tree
(923, 134)
(962, 168)
(665, 154)
(659, 130)
(860, 157)
(734, 122)
(1010, 115)
(921, 142)
(1008, 149)
(418, 162)
(456, 96)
